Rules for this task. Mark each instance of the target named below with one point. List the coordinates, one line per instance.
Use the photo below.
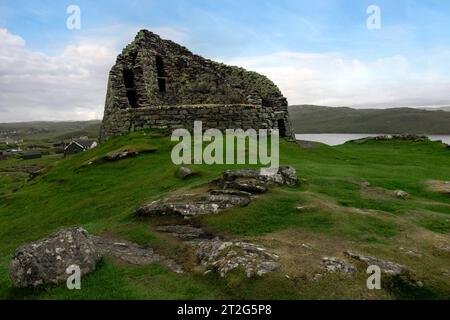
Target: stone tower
(157, 83)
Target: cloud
(336, 80)
(69, 86)
(35, 86)
(72, 85)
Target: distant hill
(436, 109)
(319, 119)
(41, 130)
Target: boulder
(46, 261)
(289, 175)
(285, 175)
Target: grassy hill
(319, 119)
(341, 213)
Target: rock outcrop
(395, 273)
(398, 137)
(132, 253)
(223, 256)
(127, 153)
(333, 265)
(191, 205)
(234, 190)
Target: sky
(318, 52)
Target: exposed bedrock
(234, 190)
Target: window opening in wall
(161, 74)
(282, 128)
(128, 78)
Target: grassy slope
(317, 119)
(101, 197)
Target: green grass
(101, 197)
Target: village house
(77, 146)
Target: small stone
(317, 277)
(413, 254)
(184, 172)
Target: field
(348, 204)
(44, 131)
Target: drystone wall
(221, 117)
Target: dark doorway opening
(162, 84)
(160, 66)
(282, 128)
(128, 78)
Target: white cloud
(35, 86)
(334, 80)
(69, 86)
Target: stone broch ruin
(157, 83)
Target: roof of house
(85, 144)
